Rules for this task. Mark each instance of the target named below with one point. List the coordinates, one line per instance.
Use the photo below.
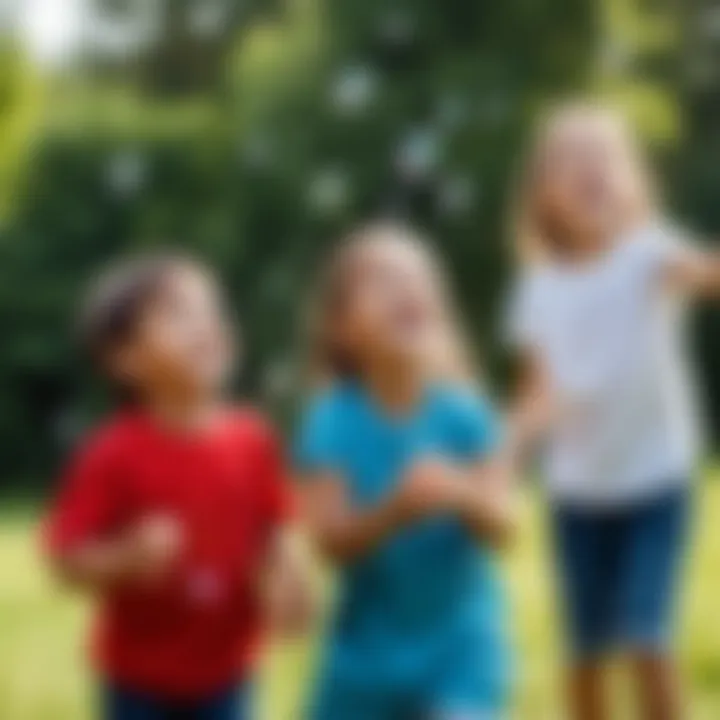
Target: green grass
(43, 674)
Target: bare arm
(95, 565)
(695, 271)
(143, 553)
(287, 583)
(532, 408)
(341, 532)
(480, 495)
(488, 504)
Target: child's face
(394, 304)
(590, 181)
(182, 343)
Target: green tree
(256, 151)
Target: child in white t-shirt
(597, 314)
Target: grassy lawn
(43, 676)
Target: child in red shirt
(175, 512)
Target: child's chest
(210, 490)
(377, 456)
(585, 320)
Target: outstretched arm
(695, 271)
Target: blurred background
(254, 132)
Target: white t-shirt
(610, 335)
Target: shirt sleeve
(477, 426)
(658, 248)
(88, 503)
(317, 446)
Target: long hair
(536, 238)
(326, 359)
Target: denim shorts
(619, 571)
(123, 703)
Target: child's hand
(289, 604)
(287, 588)
(431, 486)
(152, 546)
(144, 553)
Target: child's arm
(531, 410)
(345, 534)
(86, 541)
(285, 578)
(286, 584)
(341, 531)
(488, 504)
(143, 553)
(532, 402)
(694, 271)
(482, 495)
(489, 507)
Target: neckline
(393, 421)
(617, 246)
(186, 436)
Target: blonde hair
(326, 359)
(535, 240)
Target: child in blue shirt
(404, 494)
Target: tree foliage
(255, 142)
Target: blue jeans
(619, 570)
(120, 703)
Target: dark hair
(119, 296)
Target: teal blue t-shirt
(430, 595)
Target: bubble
(418, 153)
(495, 109)
(398, 27)
(329, 190)
(258, 152)
(615, 57)
(709, 22)
(457, 194)
(126, 172)
(207, 18)
(354, 89)
(280, 378)
(452, 111)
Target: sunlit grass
(42, 667)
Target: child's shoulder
(249, 424)
(105, 444)
(462, 401)
(467, 414)
(330, 414)
(116, 430)
(653, 241)
(331, 400)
